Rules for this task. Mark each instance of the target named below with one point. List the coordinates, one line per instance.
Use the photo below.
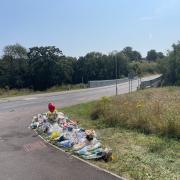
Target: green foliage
(96, 66)
(6, 92)
(40, 68)
(100, 108)
(170, 67)
(131, 55)
(149, 111)
(143, 67)
(13, 72)
(152, 55)
(15, 51)
(42, 65)
(136, 155)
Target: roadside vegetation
(153, 111)
(144, 67)
(6, 92)
(40, 68)
(141, 128)
(170, 66)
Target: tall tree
(172, 62)
(136, 56)
(160, 55)
(42, 64)
(132, 55)
(152, 55)
(14, 65)
(16, 51)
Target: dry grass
(136, 155)
(140, 156)
(15, 92)
(153, 111)
(6, 92)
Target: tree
(65, 70)
(14, 66)
(160, 55)
(122, 64)
(152, 55)
(137, 69)
(16, 51)
(170, 67)
(136, 56)
(42, 65)
(132, 55)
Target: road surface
(23, 156)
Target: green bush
(143, 67)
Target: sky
(80, 26)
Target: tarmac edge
(76, 157)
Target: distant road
(25, 156)
(65, 98)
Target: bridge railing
(151, 83)
(101, 83)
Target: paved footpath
(24, 156)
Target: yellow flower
(139, 104)
(113, 157)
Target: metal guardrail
(151, 83)
(101, 83)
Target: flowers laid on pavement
(65, 133)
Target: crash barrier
(151, 83)
(101, 83)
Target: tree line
(170, 66)
(40, 68)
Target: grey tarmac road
(24, 156)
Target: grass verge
(136, 155)
(21, 92)
(152, 111)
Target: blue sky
(81, 26)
